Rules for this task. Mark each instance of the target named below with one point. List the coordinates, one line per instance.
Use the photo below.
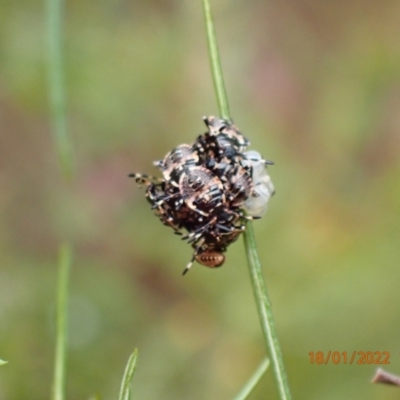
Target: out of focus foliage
(315, 86)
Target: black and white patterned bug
(183, 156)
(201, 190)
(209, 189)
(228, 137)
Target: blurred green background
(315, 86)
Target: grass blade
(257, 279)
(125, 390)
(56, 86)
(2, 362)
(248, 388)
(64, 266)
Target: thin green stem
(64, 265)
(56, 86)
(251, 384)
(125, 390)
(215, 62)
(257, 279)
(265, 313)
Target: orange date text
(344, 357)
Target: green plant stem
(64, 265)
(56, 86)
(248, 388)
(125, 391)
(215, 62)
(257, 279)
(265, 313)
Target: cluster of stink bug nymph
(209, 189)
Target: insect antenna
(189, 265)
(143, 179)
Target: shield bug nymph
(208, 189)
(183, 156)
